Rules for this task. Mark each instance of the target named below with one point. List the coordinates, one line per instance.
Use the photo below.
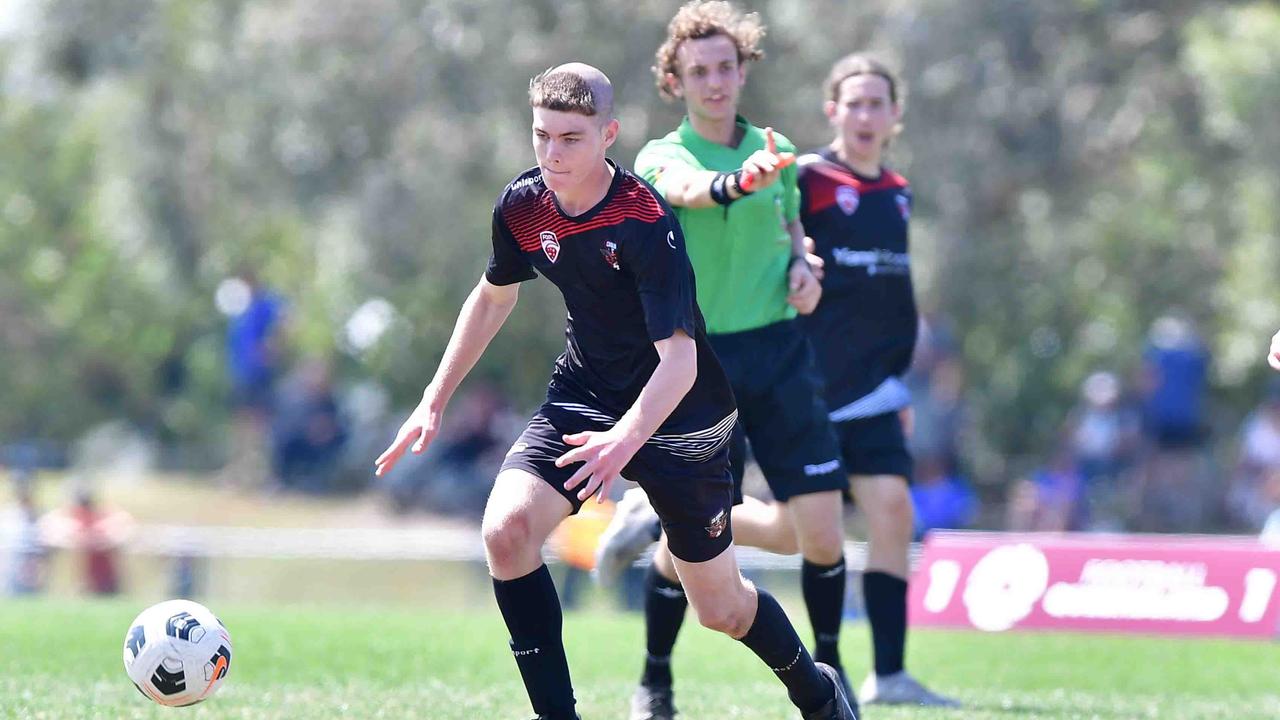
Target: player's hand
(416, 433)
(816, 264)
(804, 290)
(603, 455)
(762, 167)
(1274, 357)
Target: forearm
(478, 322)
(796, 230)
(670, 382)
(688, 188)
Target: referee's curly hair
(699, 19)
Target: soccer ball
(177, 652)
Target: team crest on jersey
(610, 253)
(550, 244)
(904, 205)
(718, 524)
(847, 198)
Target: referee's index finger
(770, 144)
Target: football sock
(773, 639)
(531, 610)
(886, 599)
(823, 589)
(664, 610)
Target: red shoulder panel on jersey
(822, 179)
(631, 201)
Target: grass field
(61, 659)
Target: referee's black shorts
(687, 481)
(780, 411)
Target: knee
(506, 539)
(729, 614)
(822, 541)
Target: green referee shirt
(739, 253)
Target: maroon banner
(1176, 585)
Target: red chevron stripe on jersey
(526, 221)
(821, 191)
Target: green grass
(61, 659)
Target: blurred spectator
(457, 470)
(1105, 435)
(96, 533)
(1174, 492)
(942, 498)
(1259, 457)
(27, 564)
(1271, 490)
(937, 382)
(253, 357)
(307, 432)
(1052, 500)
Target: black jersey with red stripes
(864, 329)
(627, 283)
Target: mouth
(864, 136)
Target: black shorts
(780, 411)
(875, 445)
(687, 479)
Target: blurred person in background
(1258, 457)
(96, 534)
(1271, 491)
(1173, 492)
(308, 432)
(1053, 499)
(27, 563)
(942, 498)
(1105, 435)
(253, 354)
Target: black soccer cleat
(840, 706)
(653, 702)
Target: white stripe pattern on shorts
(696, 446)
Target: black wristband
(737, 183)
(719, 192)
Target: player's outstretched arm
(482, 315)
(604, 454)
(1274, 357)
(688, 187)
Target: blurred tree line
(1080, 167)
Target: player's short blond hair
(856, 64)
(699, 19)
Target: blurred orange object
(576, 539)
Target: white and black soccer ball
(177, 652)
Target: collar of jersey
(608, 194)
(830, 155)
(689, 136)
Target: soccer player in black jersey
(637, 393)
(864, 332)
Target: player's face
(710, 77)
(570, 147)
(864, 116)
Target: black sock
(886, 599)
(773, 639)
(664, 609)
(531, 610)
(823, 588)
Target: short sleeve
(656, 158)
(507, 265)
(658, 261)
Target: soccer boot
(840, 706)
(652, 702)
(901, 689)
(633, 528)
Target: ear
(742, 74)
(611, 133)
(896, 109)
(672, 82)
(829, 109)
